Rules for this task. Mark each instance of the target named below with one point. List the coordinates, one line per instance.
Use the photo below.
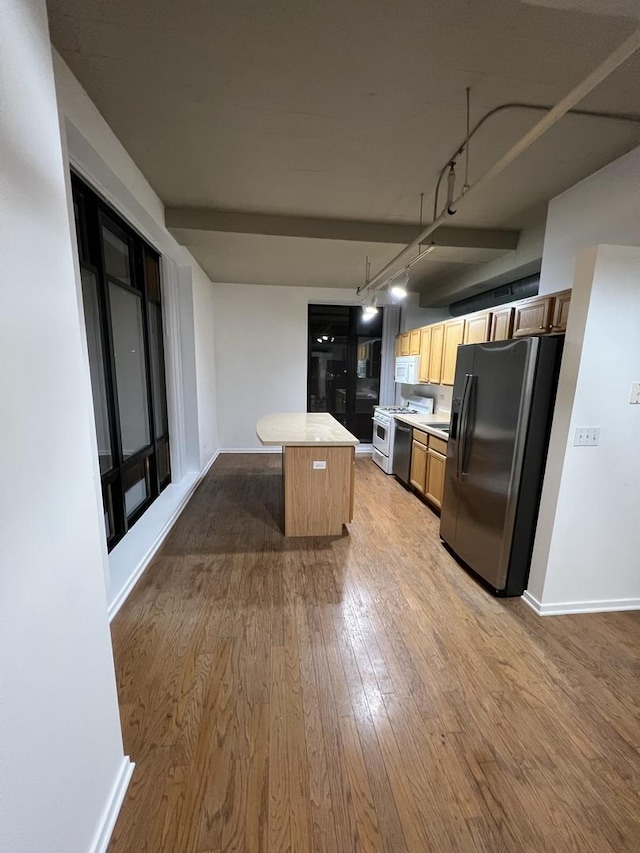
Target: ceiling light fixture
(398, 285)
(369, 307)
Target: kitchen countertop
(418, 421)
(302, 429)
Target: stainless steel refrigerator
(503, 399)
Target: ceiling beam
(209, 219)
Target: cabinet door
(425, 353)
(453, 335)
(476, 328)
(418, 474)
(561, 303)
(398, 345)
(404, 344)
(414, 342)
(434, 485)
(435, 356)
(533, 317)
(502, 324)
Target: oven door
(381, 436)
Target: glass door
(343, 375)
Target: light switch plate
(586, 436)
(634, 397)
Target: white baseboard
(112, 809)
(250, 450)
(565, 608)
(148, 540)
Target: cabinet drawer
(421, 437)
(437, 444)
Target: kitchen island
(318, 467)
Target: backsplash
(442, 395)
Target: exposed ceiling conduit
(630, 117)
(600, 73)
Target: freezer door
(490, 452)
(452, 483)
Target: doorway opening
(343, 367)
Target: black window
(123, 317)
(343, 374)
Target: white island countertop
(303, 429)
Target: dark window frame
(92, 214)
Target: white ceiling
(344, 110)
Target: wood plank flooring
(362, 693)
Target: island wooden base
(317, 500)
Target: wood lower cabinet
(425, 353)
(502, 324)
(317, 501)
(434, 488)
(418, 474)
(477, 328)
(428, 459)
(533, 317)
(414, 342)
(561, 304)
(453, 337)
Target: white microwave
(408, 369)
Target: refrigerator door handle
(464, 425)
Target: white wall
(97, 154)
(205, 354)
(586, 554)
(604, 208)
(60, 736)
(261, 353)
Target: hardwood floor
(362, 693)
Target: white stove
(384, 423)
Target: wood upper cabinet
(533, 317)
(561, 303)
(435, 355)
(418, 474)
(425, 353)
(414, 342)
(453, 336)
(477, 328)
(437, 344)
(434, 484)
(502, 323)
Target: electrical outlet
(634, 397)
(586, 436)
